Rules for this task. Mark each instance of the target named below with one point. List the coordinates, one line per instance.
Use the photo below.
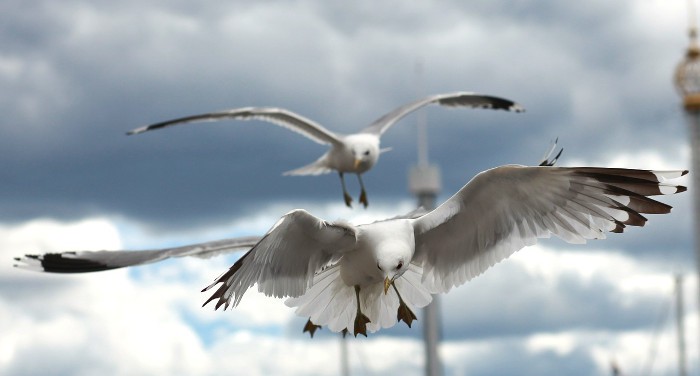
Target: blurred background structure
(424, 182)
(687, 81)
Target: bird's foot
(348, 199)
(405, 314)
(344, 332)
(311, 328)
(363, 198)
(361, 322)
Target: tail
(330, 302)
(318, 167)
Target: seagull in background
(354, 153)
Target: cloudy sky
(76, 75)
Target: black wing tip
(209, 300)
(57, 263)
(489, 102)
(681, 188)
(684, 172)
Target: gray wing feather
(284, 262)
(92, 261)
(507, 208)
(458, 99)
(278, 116)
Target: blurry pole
(687, 81)
(682, 371)
(424, 182)
(344, 363)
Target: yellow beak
(357, 163)
(387, 283)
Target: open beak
(387, 283)
(357, 163)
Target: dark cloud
(77, 76)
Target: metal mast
(687, 81)
(680, 327)
(424, 182)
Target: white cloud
(115, 324)
(96, 67)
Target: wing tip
(515, 107)
(29, 262)
(137, 131)
(61, 263)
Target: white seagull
(362, 278)
(355, 153)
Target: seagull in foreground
(355, 279)
(355, 153)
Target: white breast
(360, 266)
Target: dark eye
(400, 265)
(367, 152)
(379, 267)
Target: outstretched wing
(94, 261)
(506, 208)
(458, 99)
(284, 262)
(278, 116)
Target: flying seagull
(362, 278)
(355, 279)
(354, 153)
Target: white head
(393, 258)
(365, 150)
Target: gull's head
(364, 149)
(393, 258)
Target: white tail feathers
(318, 167)
(331, 303)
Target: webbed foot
(404, 313)
(361, 322)
(311, 328)
(363, 198)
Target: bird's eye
(400, 265)
(379, 267)
(366, 152)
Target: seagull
(352, 278)
(354, 153)
(95, 261)
(359, 279)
